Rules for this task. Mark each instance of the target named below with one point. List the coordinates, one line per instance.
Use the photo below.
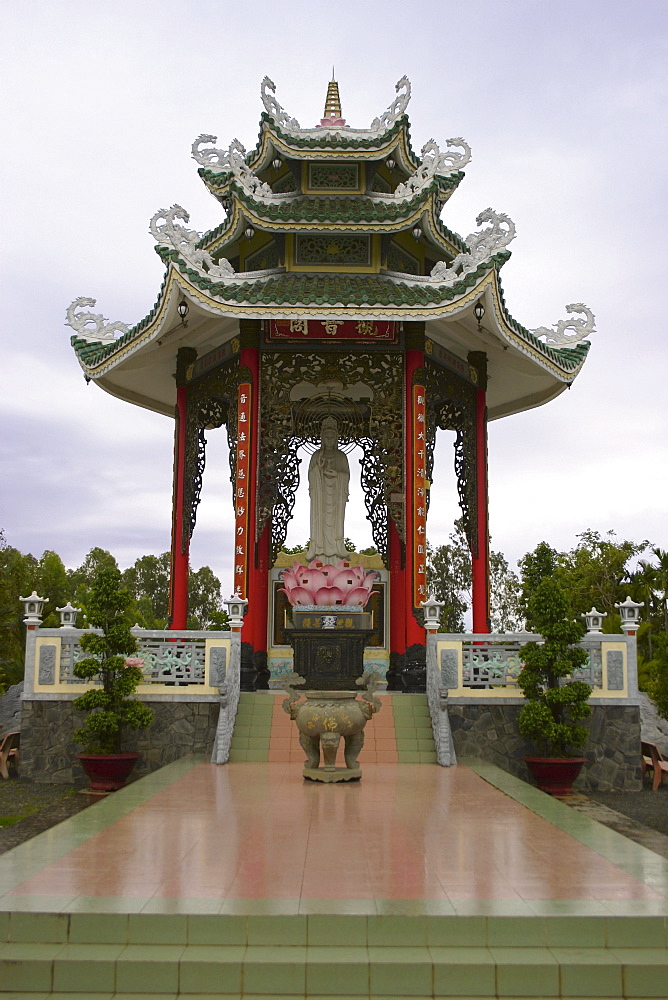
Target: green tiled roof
(346, 209)
(323, 139)
(332, 289)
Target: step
(399, 733)
(111, 954)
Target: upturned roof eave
(98, 359)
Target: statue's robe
(328, 478)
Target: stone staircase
(105, 955)
(399, 733)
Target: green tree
(596, 573)
(53, 583)
(110, 706)
(449, 578)
(554, 707)
(204, 598)
(505, 593)
(18, 578)
(148, 582)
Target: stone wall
(47, 748)
(613, 751)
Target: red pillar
(480, 560)
(178, 582)
(414, 359)
(255, 623)
(397, 591)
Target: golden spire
(332, 101)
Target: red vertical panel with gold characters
(419, 498)
(242, 542)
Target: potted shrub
(111, 707)
(554, 706)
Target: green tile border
(641, 863)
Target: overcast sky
(563, 103)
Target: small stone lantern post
(432, 614)
(68, 615)
(630, 614)
(594, 620)
(32, 608)
(236, 609)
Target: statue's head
(329, 432)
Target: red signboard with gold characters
(419, 498)
(332, 329)
(241, 495)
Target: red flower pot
(555, 775)
(107, 772)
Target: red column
(480, 562)
(178, 583)
(255, 623)
(397, 592)
(414, 332)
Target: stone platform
(244, 880)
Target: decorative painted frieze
(582, 328)
(92, 327)
(166, 231)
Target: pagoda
(332, 287)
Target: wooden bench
(652, 760)
(9, 752)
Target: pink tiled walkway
(245, 831)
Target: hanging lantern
(182, 310)
(277, 163)
(479, 312)
(417, 231)
(249, 232)
(389, 162)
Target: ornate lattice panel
(265, 257)
(400, 260)
(336, 249)
(212, 402)
(375, 423)
(333, 176)
(451, 406)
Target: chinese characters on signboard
(419, 496)
(241, 493)
(330, 329)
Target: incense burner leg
(311, 747)
(330, 744)
(354, 744)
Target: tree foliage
(554, 707)
(110, 706)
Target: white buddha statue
(328, 477)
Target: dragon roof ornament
(379, 125)
(92, 327)
(396, 108)
(232, 160)
(481, 247)
(184, 241)
(434, 162)
(582, 328)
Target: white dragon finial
(396, 108)
(185, 241)
(482, 246)
(273, 108)
(234, 159)
(582, 327)
(92, 326)
(434, 162)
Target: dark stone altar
(329, 646)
